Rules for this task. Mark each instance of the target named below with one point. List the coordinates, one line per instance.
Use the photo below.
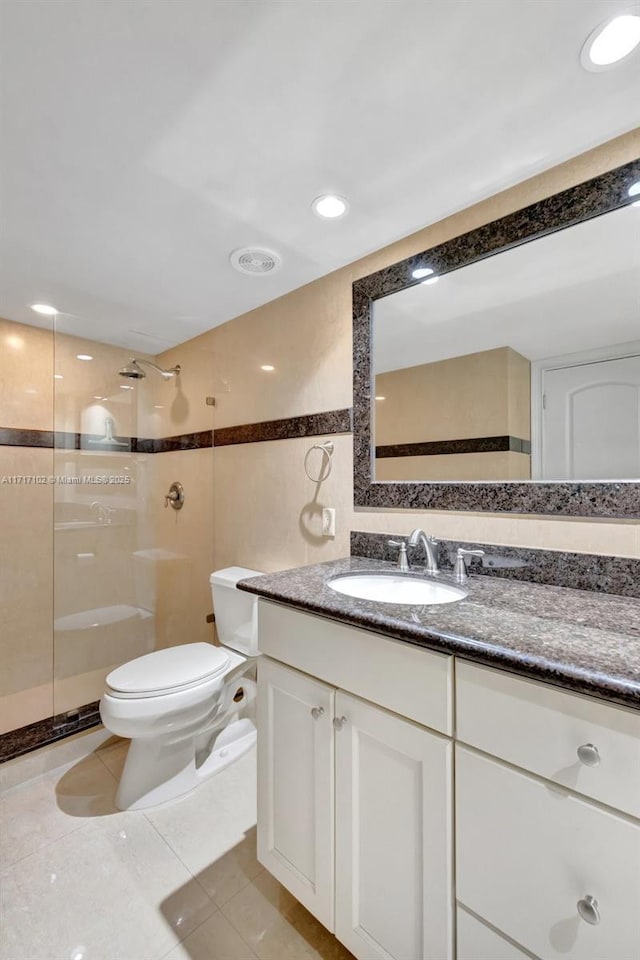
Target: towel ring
(327, 449)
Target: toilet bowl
(181, 707)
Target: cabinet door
(476, 941)
(530, 854)
(295, 784)
(393, 839)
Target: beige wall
(261, 494)
(484, 394)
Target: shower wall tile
(305, 337)
(26, 376)
(91, 390)
(268, 514)
(176, 568)
(26, 587)
(179, 405)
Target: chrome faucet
(430, 545)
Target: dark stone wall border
(183, 441)
(23, 740)
(312, 425)
(581, 571)
(597, 196)
(438, 448)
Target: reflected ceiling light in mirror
(83, 356)
(381, 398)
(612, 41)
(267, 367)
(44, 308)
(125, 386)
(424, 272)
(634, 191)
(330, 206)
(58, 376)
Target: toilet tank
(236, 612)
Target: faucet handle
(403, 562)
(460, 574)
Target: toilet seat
(168, 671)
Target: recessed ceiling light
(159, 406)
(381, 398)
(421, 272)
(44, 308)
(329, 206)
(634, 191)
(99, 398)
(124, 386)
(267, 367)
(58, 376)
(611, 42)
(430, 280)
(83, 356)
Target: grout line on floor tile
(6, 869)
(178, 857)
(96, 754)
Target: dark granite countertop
(586, 642)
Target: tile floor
(82, 881)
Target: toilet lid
(164, 670)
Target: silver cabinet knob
(588, 754)
(339, 722)
(588, 910)
(317, 712)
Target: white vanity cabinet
(356, 818)
(339, 773)
(539, 856)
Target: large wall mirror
(501, 370)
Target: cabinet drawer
(528, 851)
(538, 727)
(476, 941)
(406, 679)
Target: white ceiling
(144, 140)
(571, 291)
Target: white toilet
(181, 706)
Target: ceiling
(144, 140)
(574, 290)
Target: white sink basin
(395, 588)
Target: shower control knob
(339, 722)
(317, 712)
(175, 497)
(588, 754)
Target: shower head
(133, 370)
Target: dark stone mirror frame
(600, 195)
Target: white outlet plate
(328, 522)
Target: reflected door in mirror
(591, 421)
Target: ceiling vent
(255, 261)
